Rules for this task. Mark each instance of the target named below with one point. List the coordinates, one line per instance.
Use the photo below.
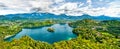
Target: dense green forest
(91, 34)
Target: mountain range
(53, 16)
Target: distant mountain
(52, 16)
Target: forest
(91, 34)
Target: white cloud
(89, 3)
(4, 12)
(61, 7)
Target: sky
(69, 7)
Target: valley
(84, 33)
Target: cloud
(68, 7)
(89, 3)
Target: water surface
(62, 32)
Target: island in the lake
(65, 34)
(51, 29)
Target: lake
(61, 32)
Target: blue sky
(68, 7)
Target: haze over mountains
(53, 16)
(60, 9)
